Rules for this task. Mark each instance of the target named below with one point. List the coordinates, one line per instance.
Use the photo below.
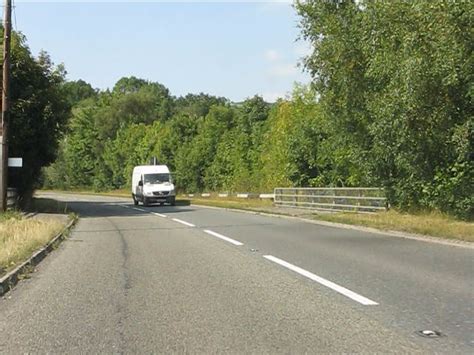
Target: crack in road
(122, 300)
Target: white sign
(15, 162)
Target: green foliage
(77, 91)
(123, 153)
(197, 105)
(395, 81)
(38, 114)
(235, 166)
(80, 148)
(131, 101)
(290, 154)
(196, 156)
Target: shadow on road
(88, 209)
(46, 205)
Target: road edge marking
(183, 222)
(223, 237)
(342, 290)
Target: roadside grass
(7, 215)
(113, 193)
(117, 192)
(20, 237)
(234, 202)
(433, 224)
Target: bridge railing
(354, 199)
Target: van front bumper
(153, 198)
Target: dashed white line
(138, 209)
(159, 214)
(223, 237)
(183, 222)
(342, 290)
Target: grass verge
(112, 193)
(20, 237)
(233, 202)
(433, 224)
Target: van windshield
(156, 178)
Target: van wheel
(135, 201)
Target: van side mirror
(140, 183)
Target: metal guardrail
(12, 198)
(346, 199)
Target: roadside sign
(15, 162)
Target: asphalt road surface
(189, 279)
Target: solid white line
(223, 237)
(159, 214)
(342, 290)
(183, 222)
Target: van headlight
(172, 192)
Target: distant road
(132, 279)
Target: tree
(81, 148)
(77, 91)
(197, 105)
(195, 157)
(290, 155)
(131, 101)
(39, 112)
(395, 81)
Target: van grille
(160, 193)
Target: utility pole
(7, 28)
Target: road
(201, 280)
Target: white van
(151, 184)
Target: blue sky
(227, 49)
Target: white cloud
(283, 70)
(271, 55)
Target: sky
(230, 49)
